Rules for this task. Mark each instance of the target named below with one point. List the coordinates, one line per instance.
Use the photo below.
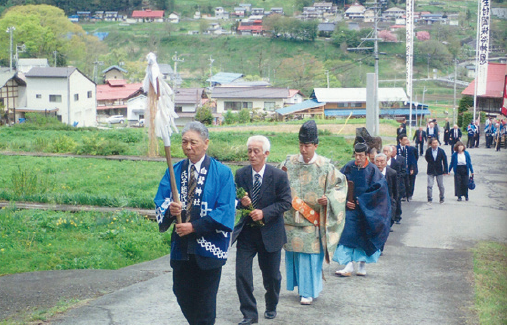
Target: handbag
(471, 183)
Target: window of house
(38, 96)
(269, 106)
(89, 94)
(343, 105)
(178, 109)
(238, 105)
(56, 98)
(76, 97)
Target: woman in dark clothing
(461, 165)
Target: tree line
(70, 7)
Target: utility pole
(10, 30)
(428, 66)
(176, 60)
(375, 38)
(19, 49)
(97, 63)
(327, 76)
(210, 72)
(55, 54)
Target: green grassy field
(490, 268)
(47, 240)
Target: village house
(187, 101)
(113, 73)
(257, 11)
(220, 13)
(250, 27)
(369, 16)
(174, 18)
(310, 13)
(325, 7)
(393, 13)
(355, 11)
(239, 12)
(278, 11)
(492, 100)
(148, 15)
(12, 94)
(168, 74)
(499, 12)
(223, 78)
(326, 29)
(266, 98)
(112, 98)
(111, 16)
(344, 102)
(65, 89)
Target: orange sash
(309, 213)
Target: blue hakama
(304, 271)
(343, 255)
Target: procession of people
(316, 212)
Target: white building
(173, 18)
(66, 89)
(24, 65)
(266, 98)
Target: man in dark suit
(455, 136)
(437, 167)
(381, 161)
(446, 132)
(397, 163)
(419, 138)
(401, 130)
(413, 168)
(262, 232)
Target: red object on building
(504, 106)
(151, 14)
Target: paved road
(424, 277)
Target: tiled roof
(496, 73)
(225, 77)
(50, 72)
(106, 92)
(114, 67)
(116, 82)
(308, 104)
(189, 95)
(148, 13)
(337, 95)
(250, 92)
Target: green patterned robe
(310, 182)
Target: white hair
(266, 145)
(388, 146)
(381, 155)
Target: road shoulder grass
(490, 270)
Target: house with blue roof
(345, 102)
(223, 78)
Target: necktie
(192, 184)
(256, 190)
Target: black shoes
(248, 321)
(270, 314)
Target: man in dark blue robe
(367, 217)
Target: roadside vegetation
(48, 240)
(490, 268)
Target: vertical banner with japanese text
(484, 24)
(409, 55)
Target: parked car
(115, 119)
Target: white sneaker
(347, 271)
(306, 300)
(361, 270)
